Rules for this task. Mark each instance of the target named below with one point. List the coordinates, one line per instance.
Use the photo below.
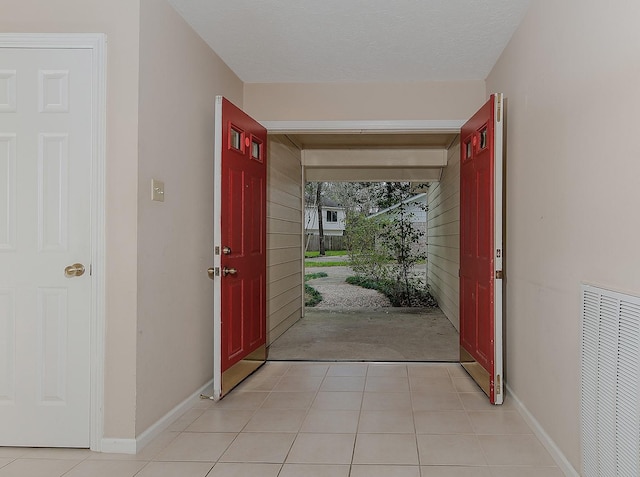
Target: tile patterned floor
(324, 420)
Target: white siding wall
(329, 228)
(443, 233)
(284, 237)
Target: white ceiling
(317, 41)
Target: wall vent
(610, 383)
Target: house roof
(310, 41)
(415, 198)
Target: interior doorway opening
(366, 245)
(415, 157)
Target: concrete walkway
(365, 334)
(356, 324)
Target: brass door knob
(75, 270)
(229, 271)
(211, 272)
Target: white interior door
(45, 228)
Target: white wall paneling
(8, 197)
(7, 91)
(7, 346)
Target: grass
(311, 296)
(328, 253)
(326, 264)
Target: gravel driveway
(338, 294)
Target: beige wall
(119, 19)
(571, 76)
(179, 78)
(148, 251)
(363, 101)
(443, 236)
(284, 236)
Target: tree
(366, 256)
(385, 249)
(320, 228)
(400, 238)
(353, 196)
(391, 193)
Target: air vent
(610, 383)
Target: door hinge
(498, 385)
(499, 109)
(499, 274)
(216, 250)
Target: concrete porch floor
(366, 334)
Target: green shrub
(311, 296)
(313, 276)
(396, 292)
(386, 249)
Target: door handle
(229, 271)
(75, 270)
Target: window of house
(332, 216)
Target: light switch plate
(157, 190)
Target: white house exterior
(416, 208)
(333, 220)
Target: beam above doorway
(363, 127)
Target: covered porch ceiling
(374, 156)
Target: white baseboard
(133, 446)
(562, 461)
(118, 446)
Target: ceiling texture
(359, 41)
(325, 41)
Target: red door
(481, 247)
(240, 246)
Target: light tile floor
(324, 420)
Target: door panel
(481, 248)
(45, 179)
(240, 246)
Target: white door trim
(217, 240)
(359, 127)
(97, 43)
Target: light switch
(157, 190)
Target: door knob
(75, 270)
(211, 272)
(226, 250)
(229, 271)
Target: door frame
(97, 44)
(217, 239)
(357, 127)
